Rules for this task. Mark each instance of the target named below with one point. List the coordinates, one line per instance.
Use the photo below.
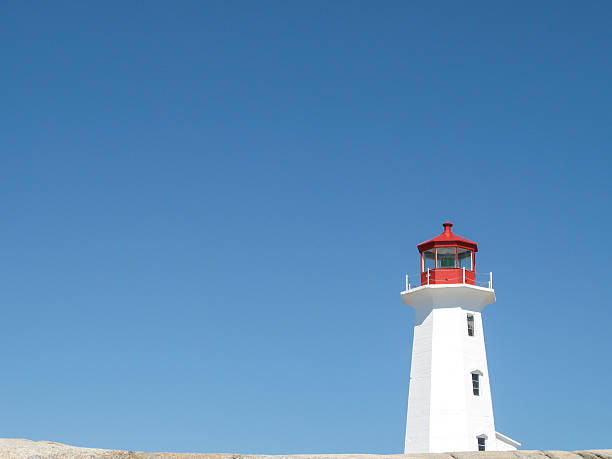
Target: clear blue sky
(208, 209)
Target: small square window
(476, 383)
(470, 324)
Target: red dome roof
(447, 238)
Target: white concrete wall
(480, 408)
(448, 414)
(505, 443)
(443, 414)
(418, 418)
(503, 446)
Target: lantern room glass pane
(465, 259)
(429, 261)
(447, 257)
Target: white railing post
(407, 283)
(464, 275)
(490, 280)
(427, 276)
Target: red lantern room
(448, 259)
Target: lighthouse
(449, 398)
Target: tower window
(470, 324)
(481, 443)
(476, 383)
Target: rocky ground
(20, 448)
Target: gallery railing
(451, 276)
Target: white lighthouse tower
(449, 401)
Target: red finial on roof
(448, 238)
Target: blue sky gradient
(209, 209)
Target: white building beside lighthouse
(449, 400)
